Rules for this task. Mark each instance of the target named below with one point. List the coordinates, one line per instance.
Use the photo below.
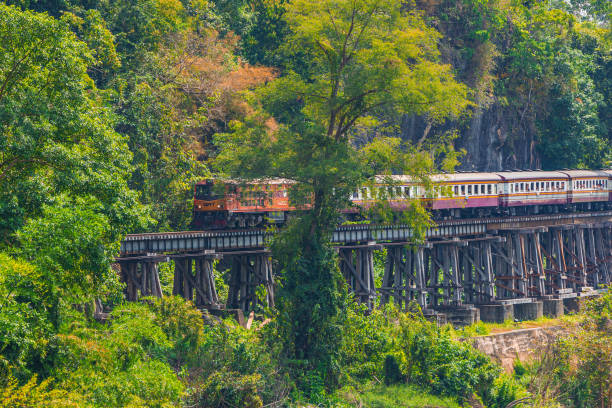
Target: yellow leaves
(36, 395)
(171, 11)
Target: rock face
(508, 346)
(494, 139)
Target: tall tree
(56, 137)
(366, 58)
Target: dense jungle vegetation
(111, 110)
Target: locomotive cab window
(204, 192)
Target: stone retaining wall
(508, 346)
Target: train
(229, 204)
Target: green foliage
(24, 320)
(56, 136)
(401, 396)
(573, 370)
(33, 394)
(365, 58)
(229, 389)
(73, 244)
(427, 356)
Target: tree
(366, 58)
(55, 135)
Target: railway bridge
(491, 269)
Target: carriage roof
(531, 175)
(585, 173)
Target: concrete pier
(529, 311)
(496, 313)
(553, 307)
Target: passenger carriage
(533, 189)
(451, 193)
(466, 190)
(609, 174)
(587, 187)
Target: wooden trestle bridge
(493, 269)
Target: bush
(406, 347)
(393, 375)
(230, 389)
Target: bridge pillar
(603, 244)
(575, 250)
(194, 277)
(141, 276)
(556, 268)
(404, 278)
(357, 267)
(524, 274)
(443, 273)
(249, 271)
(508, 277)
(477, 271)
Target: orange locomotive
(231, 204)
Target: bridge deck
(230, 240)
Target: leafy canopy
(366, 59)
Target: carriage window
(490, 189)
(469, 189)
(456, 190)
(356, 194)
(522, 188)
